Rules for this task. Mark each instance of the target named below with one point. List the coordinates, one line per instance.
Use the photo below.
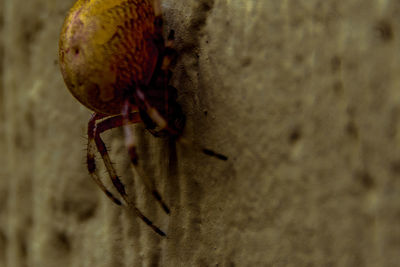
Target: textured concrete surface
(302, 95)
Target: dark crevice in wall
(197, 23)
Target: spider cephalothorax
(115, 61)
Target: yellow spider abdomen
(106, 49)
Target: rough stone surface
(302, 95)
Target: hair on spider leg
(108, 149)
(84, 149)
(84, 161)
(105, 172)
(84, 137)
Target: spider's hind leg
(130, 143)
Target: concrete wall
(302, 95)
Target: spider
(115, 61)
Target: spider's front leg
(94, 131)
(90, 157)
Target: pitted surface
(303, 98)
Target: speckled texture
(104, 48)
(302, 95)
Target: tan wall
(302, 95)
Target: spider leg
(94, 131)
(90, 159)
(130, 143)
(162, 123)
(169, 58)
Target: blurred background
(301, 95)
